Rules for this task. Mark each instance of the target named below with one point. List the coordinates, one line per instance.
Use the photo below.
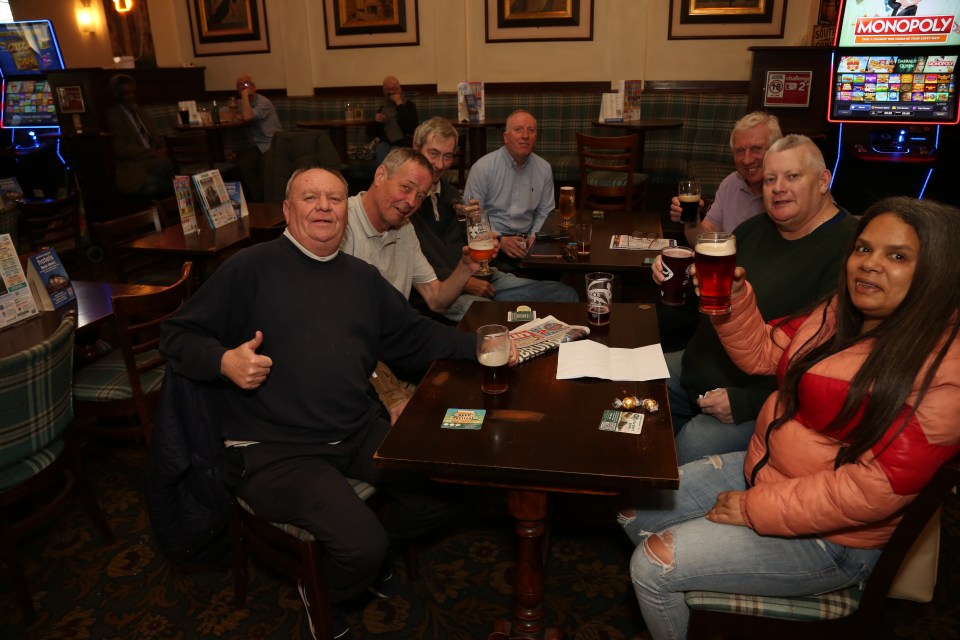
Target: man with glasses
(740, 195)
(442, 236)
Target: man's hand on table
(516, 246)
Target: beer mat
(463, 419)
(522, 314)
(622, 421)
(625, 241)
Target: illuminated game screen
(888, 23)
(28, 48)
(28, 103)
(894, 87)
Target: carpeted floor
(85, 590)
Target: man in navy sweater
(294, 327)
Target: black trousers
(305, 485)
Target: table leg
(338, 136)
(529, 508)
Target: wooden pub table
(338, 131)
(93, 306)
(538, 438)
(208, 243)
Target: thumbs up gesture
(244, 367)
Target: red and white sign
(903, 30)
(787, 89)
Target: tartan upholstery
(35, 405)
(701, 147)
(106, 379)
(827, 606)
(363, 490)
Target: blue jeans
(699, 434)
(726, 558)
(510, 288)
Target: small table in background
(640, 127)
(337, 130)
(477, 136)
(214, 134)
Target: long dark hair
(903, 342)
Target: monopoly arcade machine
(894, 97)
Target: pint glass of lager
(568, 206)
(688, 194)
(716, 258)
(493, 352)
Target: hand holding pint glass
(716, 258)
(688, 194)
(480, 240)
(493, 353)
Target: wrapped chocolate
(633, 403)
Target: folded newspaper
(545, 334)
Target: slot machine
(893, 95)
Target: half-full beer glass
(480, 238)
(716, 258)
(493, 352)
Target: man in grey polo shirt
(379, 232)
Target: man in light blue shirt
(263, 122)
(515, 187)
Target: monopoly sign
(903, 30)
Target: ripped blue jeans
(724, 558)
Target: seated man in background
(442, 236)
(143, 168)
(294, 327)
(740, 195)
(396, 120)
(262, 122)
(515, 187)
(794, 254)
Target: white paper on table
(587, 358)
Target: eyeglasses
(433, 154)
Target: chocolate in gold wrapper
(633, 403)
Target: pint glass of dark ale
(493, 352)
(716, 258)
(689, 195)
(676, 274)
(599, 298)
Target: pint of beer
(481, 250)
(688, 194)
(493, 352)
(676, 275)
(568, 205)
(716, 258)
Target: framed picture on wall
(718, 19)
(71, 99)
(526, 20)
(351, 24)
(227, 27)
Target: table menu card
(589, 359)
(16, 300)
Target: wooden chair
(39, 468)
(54, 223)
(846, 614)
(126, 383)
(134, 266)
(193, 152)
(608, 177)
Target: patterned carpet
(85, 590)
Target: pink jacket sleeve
(752, 344)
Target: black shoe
(386, 585)
(338, 619)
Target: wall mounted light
(85, 18)
(122, 6)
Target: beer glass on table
(480, 240)
(716, 258)
(599, 298)
(568, 206)
(689, 195)
(493, 353)
(584, 238)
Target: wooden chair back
(129, 265)
(54, 223)
(608, 172)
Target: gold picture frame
(723, 19)
(539, 20)
(228, 27)
(352, 24)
